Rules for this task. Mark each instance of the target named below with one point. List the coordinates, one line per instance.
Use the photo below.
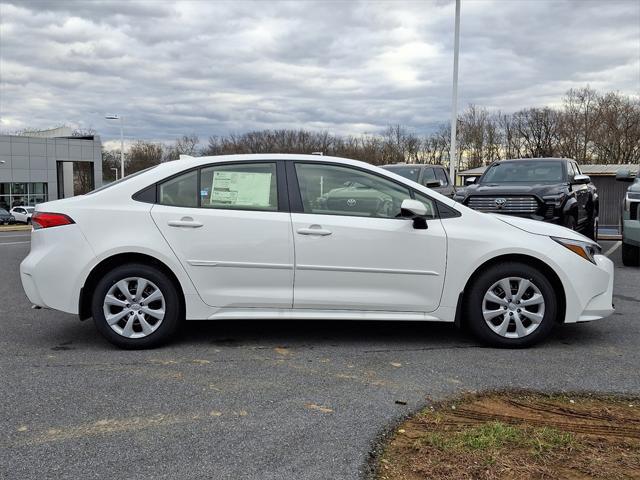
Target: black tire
(630, 255)
(28, 221)
(481, 284)
(173, 315)
(570, 222)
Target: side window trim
(153, 191)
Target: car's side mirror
(624, 175)
(415, 210)
(470, 180)
(581, 179)
(433, 183)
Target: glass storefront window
(17, 194)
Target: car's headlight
(586, 250)
(631, 196)
(555, 200)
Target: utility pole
(453, 155)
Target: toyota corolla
(303, 237)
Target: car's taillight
(47, 220)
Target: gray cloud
(348, 67)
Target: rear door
(353, 251)
(229, 226)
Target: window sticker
(241, 188)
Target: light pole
(119, 117)
(453, 155)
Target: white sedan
(303, 237)
(22, 214)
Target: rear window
(118, 182)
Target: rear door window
(442, 176)
(251, 186)
(180, 191)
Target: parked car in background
(434, 177)
(22, 214)
(552, 190)
(630, 219)
(276, 237)
(6, 218)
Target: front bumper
(631, 231)
(601, 305)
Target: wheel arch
(516, 257)
(109, 263)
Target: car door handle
(314, 230)
(184, 222)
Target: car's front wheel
(511, 305)
(136, 306)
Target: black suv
(434, 177)
(548, 189)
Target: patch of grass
(493, 436)
(545, 439)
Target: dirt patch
(517, 436)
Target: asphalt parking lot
(260, 400)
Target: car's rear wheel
(136, 306)
(511, 305)
(630, 255)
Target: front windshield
(524, 171)
(412, 173)
(3, 212)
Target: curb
(15, 228)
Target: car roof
(542, 159)
(412, 165)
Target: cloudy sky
(215, 67)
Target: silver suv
(431, 176)
(630, 218)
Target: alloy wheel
(513, 307)
(134, 307)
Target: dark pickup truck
(546, 189)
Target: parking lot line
(613, 249)
(2, 237)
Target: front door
(352, 249)
(228, 227)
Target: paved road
(259, 400)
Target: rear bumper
(52, 271)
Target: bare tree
(143, 155)
(577, 122)
(538, 128)
(616, 137)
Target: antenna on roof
(317, 153)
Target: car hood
(540, 228)
(514, 189)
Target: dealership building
(47, 165)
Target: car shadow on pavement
(72, 335)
